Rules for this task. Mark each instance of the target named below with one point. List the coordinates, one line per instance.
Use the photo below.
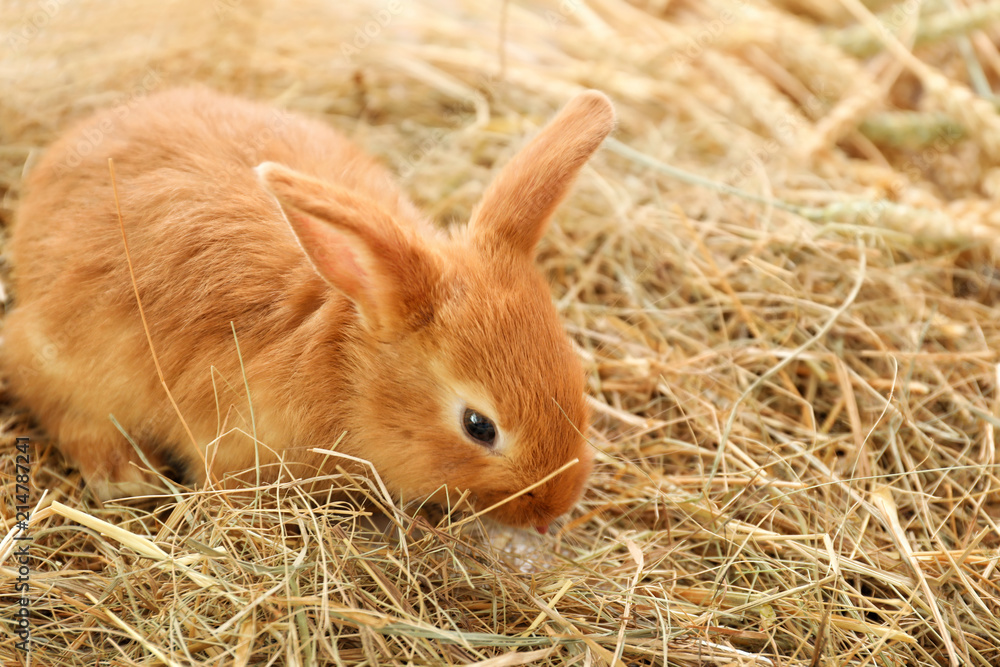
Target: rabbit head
(467, 381)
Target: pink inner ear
(355, 244)
(330, 253)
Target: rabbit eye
(479, 428)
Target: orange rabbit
(439, 355)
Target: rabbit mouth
(523, 510)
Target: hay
(781, 279)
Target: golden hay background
(795, 386)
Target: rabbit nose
(542, 529)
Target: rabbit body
(356, 319)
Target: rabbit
(293, 294)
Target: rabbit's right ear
(357, 247)
(516, 207)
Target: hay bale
(782, 280)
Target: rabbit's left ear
(358, 248)
(517, 206)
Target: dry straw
(780, 276)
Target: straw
(780, 277)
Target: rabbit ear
(357, 247)
(517, 206)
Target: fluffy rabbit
(439, 355)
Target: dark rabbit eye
(479, 428)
